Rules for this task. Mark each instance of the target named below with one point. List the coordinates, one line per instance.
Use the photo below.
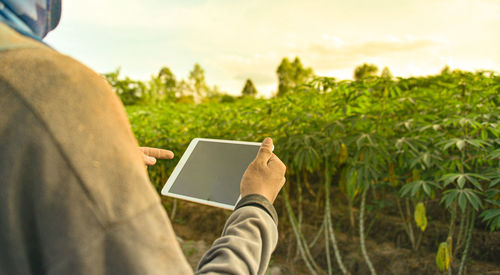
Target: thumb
(266, 151)
(149, 161)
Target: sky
(234, 40)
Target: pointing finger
(157, 153)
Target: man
(75, 197)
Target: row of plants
(417, 140)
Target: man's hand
(265, 175)
(151, 154)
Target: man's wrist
(259, 201)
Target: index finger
(157, 153)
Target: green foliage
(162, 86)
(198, 85)
(431, 137)
(291, 75)
(443, 258)
(249, 89)
(422, 138)
(446, 70)
(366, 70)
(418, 188)
(386, 74)
(129, 91)
(165, 87)
(420, 216)
(492, 217)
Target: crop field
(407, 166)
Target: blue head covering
(33, 18)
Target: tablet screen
(210, 172)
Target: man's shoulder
(29, 70)
(86, 120)
(32, 61)
(60, 91)
(46, 79)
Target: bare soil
(388, 247)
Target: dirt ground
(197, 226)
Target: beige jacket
(75, 197)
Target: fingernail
(267, 140)
(152, 159)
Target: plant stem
(451, 228)
(306, 183)
(329, 227)
(362, 230)
(327, 248)
(299, 191)
(419, 240)
(451, 231)
(464, 223)
(410, 224)
(403, 218)
(174, 209)
(351, 213)
(302, 245)
(316, 238)
(467, 244)
(335, 248)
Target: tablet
(210, 172)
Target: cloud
(330, 55)
(236, 40)
(259, 67)
(260, 77)
(334, 56)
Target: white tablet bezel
(180, 165)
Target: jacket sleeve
(247, 242)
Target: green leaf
(443, 256)
(478, 143)
(495, 154)
(484, 134)
(473, 199)
(474, 181)
(352, 185)
(494, 182)
(427, 159)
(449, 178)
(420, 217)
(449, 196)
(414, 187)
(461, 181)
(490, 214)
(460, 144)
(462, 201)
(449, 143)
(478, 176)
(405, 189)
(426, 189)
(492, 218)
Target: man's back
(63, 128)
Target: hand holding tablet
(265, 175)
(210, 172)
